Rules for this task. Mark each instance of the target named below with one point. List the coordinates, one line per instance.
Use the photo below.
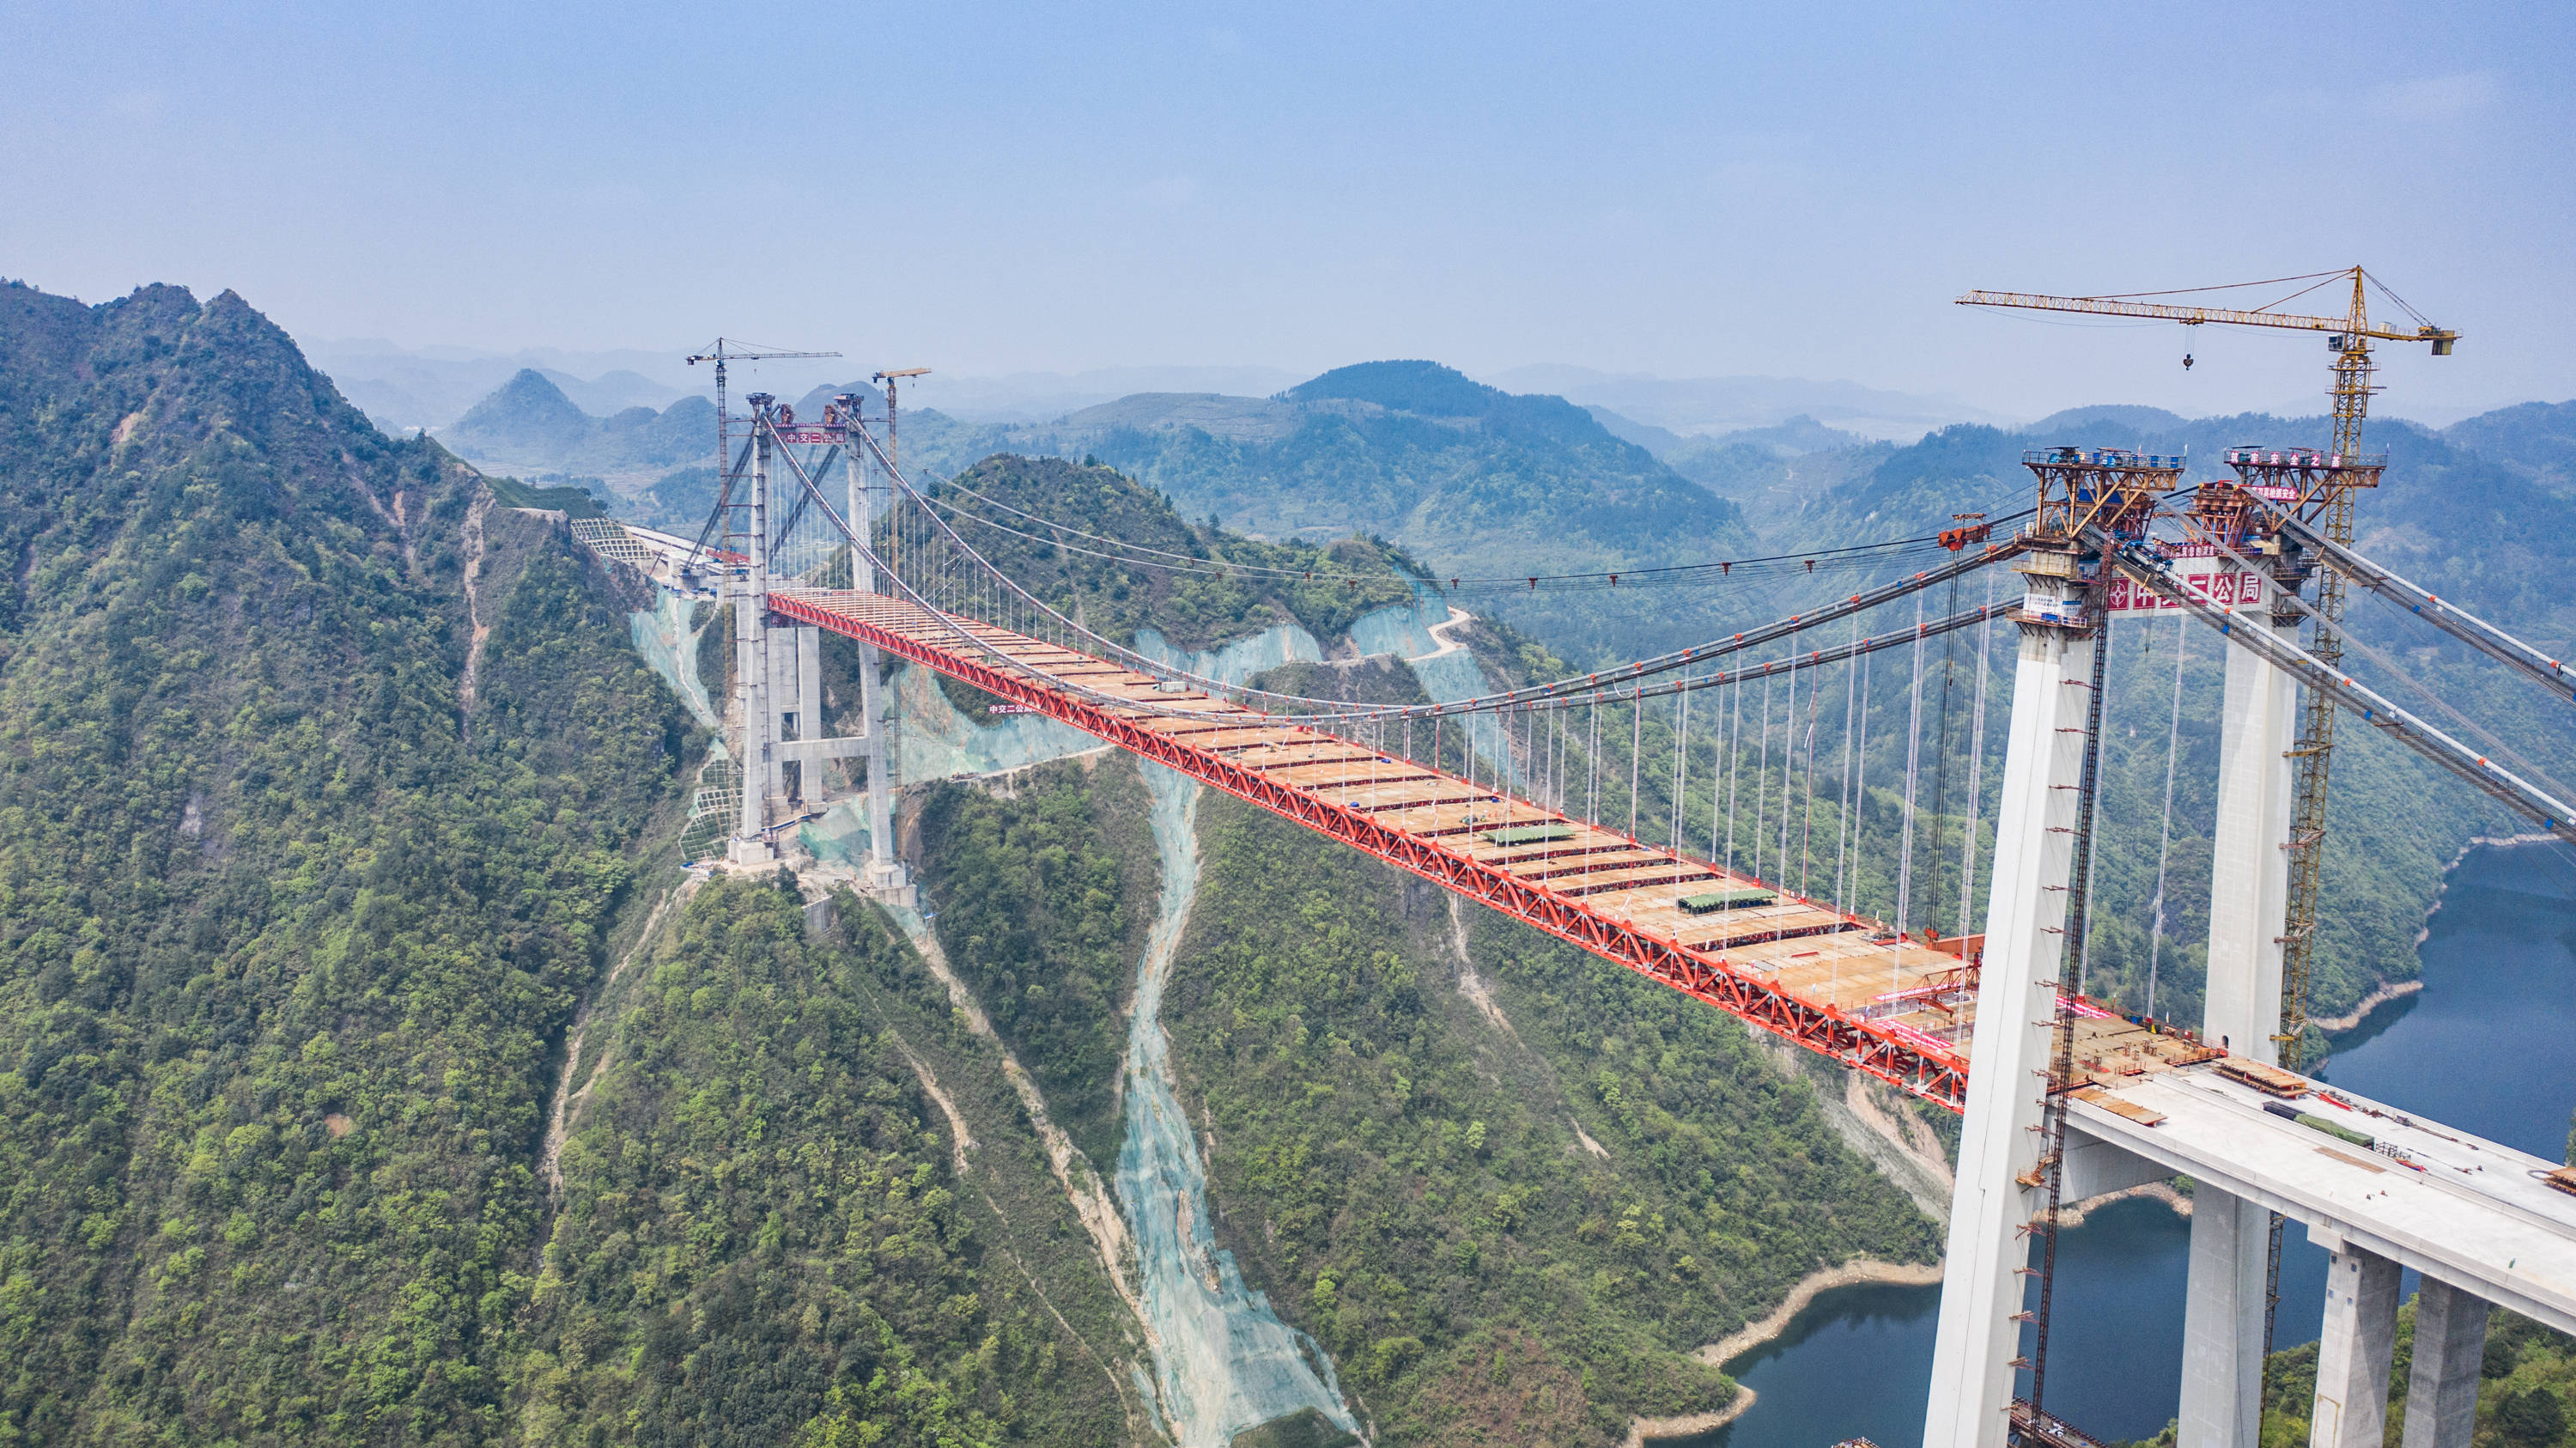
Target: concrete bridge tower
(2001, 1188)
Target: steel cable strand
(2352, 639)
(1976, 771)
(2164, 838)
(1843, 803)
(1725, 567)
(1568, 686)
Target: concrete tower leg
(751, 667)
(2442, 1388)
(2249, 866)
(2222, 1383)
(885, 868)
(1999, 1151)
(2355, 1348)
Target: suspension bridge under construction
(2063, 1097)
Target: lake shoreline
(1857, 1272)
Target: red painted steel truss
(1864, 1046)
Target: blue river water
(2482, 1046)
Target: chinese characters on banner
(2221, 586)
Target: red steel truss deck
(1827, 980)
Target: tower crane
(2327, 510)
(2325, 507)
(720, 352)
(2348, 336)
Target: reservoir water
(2482, 1046)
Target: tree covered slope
(291, 923)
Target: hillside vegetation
(292, 920)
(325, 785)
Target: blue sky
(1683, 190)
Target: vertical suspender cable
(2164, 838)
(1556, 722)
(1762, 775)
(1734, 769)
(1807, 817)
(1913, 758)
(1843, 802)
(1941, 767)
(1636, 754)
(1592, 767)
(1976, 769)
(1681, 758)
(1788, 760)
(1860, 784)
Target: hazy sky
(1795, 190)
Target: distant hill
(1468, 478)
(2537, 439)
(528, 425)
(406, 389)
(1714, 405)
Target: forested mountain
(325, 785)
(371, 1072)
(1462, 473)
(302, 882)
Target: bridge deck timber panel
(1827, 980)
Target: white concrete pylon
(2222, 1384)
(885, 869)
(751, 664)
(1997, 1199)
(2249, 865)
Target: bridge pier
(1999, 1191)
(2356, 1346)
(2222, 1382)
(2442, 1386)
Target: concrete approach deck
(2468, 1212)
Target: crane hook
(2186, 361)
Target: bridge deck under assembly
(1835, 982)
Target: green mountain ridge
(304, 885)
